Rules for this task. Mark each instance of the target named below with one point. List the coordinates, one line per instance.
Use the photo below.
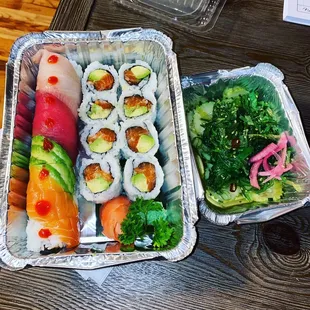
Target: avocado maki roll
(101, 139)
(137, 105)
(138, 137)
(137, 76)
(98, 107)
(143, 177)
(99, 78)
(100, 178)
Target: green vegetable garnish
(148, 217)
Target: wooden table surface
(262, 266)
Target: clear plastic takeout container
(267, 81)
(191, 15)
(110, 47)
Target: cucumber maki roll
(100, 178)
(137, 105)
(136, 76)
(98, 107)
(99, 78)
(138, 137)
(101, 139)
(143, 177)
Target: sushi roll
(137, 105)
(138, 138)
(143, 177)
(101, 139)
(138, 75)
(100, 179)
(99, 107)
(99, 78)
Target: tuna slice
(58, 77)
(54, 120)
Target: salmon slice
(112, 214)
(105, 134)
(18, 187)
(58, 77)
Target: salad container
(268, 161)
(197, 16)
(177, 194)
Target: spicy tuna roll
(137, 75)
(98, 107)
(138, 137)
(143, 177)
(137, 105)
(100, 178)
(99, 78)
(101, 139)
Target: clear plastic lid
(191, 15)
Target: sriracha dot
(52, 59)
(52, 80)
(49, 100)
(49, 122)
(44, 233)
(44, 173)
(43, 207)
(47, 145)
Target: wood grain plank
(72, 15)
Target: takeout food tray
(267, 81)
(111, 47)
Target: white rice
(86, 87)
(108, 164)
(132, 192)
(127, 152)
(149, 84)
(93, 129)
(151, 115)
(35, 243)
(89, 100)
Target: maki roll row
(99, 78)
(118, 130)
(51, 208)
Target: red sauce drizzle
(47, 145)
(49, 100)
(52, 80)
(43, 207)
(49, 122)
(52, 59)
(44, 173)
(44, 233)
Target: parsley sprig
(147, 217)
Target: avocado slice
(97, 75)
(100, 146)
(57, 149)
(98, 185)
(135, 111)
(145, 143)
(140, 72)
(97, 112)
(39, 157)
(140, 182)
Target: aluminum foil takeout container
(111, 47)
(268, 81)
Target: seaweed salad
(243, 144)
